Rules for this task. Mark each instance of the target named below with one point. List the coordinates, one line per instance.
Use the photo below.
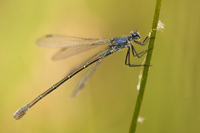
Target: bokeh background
(171, 102)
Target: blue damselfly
(75, 45)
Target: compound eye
(135, 36)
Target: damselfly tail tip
(20, 112)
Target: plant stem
(146, 69)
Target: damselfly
(75, 45)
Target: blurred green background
(171, 102)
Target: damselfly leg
(134, 52)
(127, 60)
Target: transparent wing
(86, 77)
(56, 41)
(70, 51)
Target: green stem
(146, 69)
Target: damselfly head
(135, 35)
